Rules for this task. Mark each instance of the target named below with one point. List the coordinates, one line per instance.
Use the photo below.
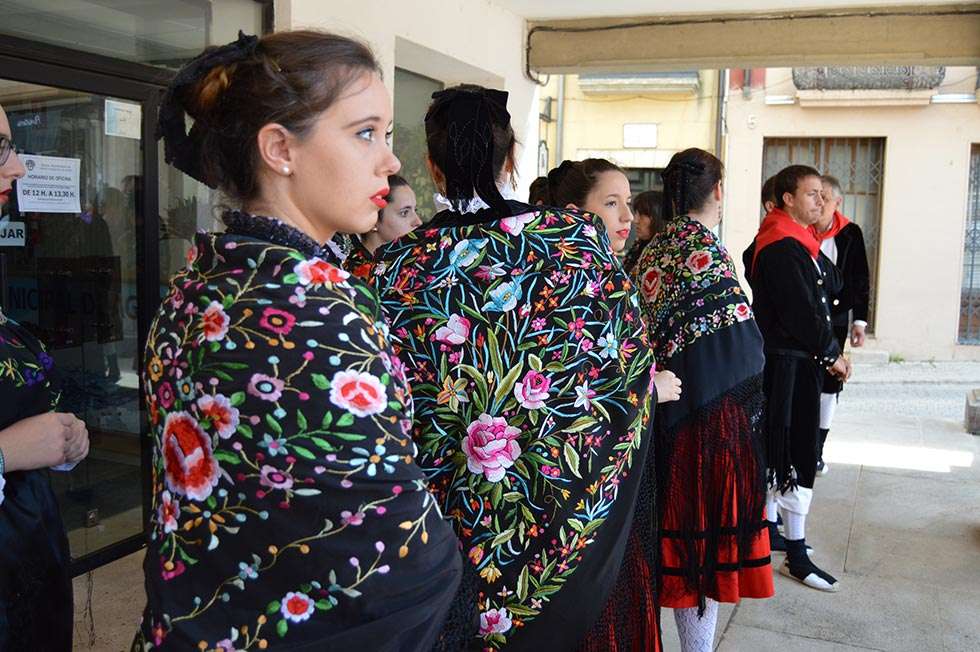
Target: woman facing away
(532, 386)
(288, 510)
(710, 466)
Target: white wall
(924, 204)
(450, 40)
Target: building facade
(903, 142)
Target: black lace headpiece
(472, 114)
(181, 148)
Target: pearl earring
(285, 170)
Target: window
(413, 94)
(859, 165)
(155, 32)
(970, 293)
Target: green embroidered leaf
(327, 420)
(571, 456)
(227, 456)
(494, 346)
(508, 382)
(495, 494)
(273, 424)
(301, 421)
(320, 381)
(237, 399)
(520, 610)
(292, 279)
(580, 424)
(323, 443)
(282, 627)
(348, 436)
(522, 585)
(513, 496)
(302, 452)
(502, 538)
(345, 420)
(245, 429)
(534, 361)
(273, 607)
(592, 526)
(324, 605)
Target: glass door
(74, 280)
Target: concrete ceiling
(571, 9)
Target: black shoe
(822, 468)
(799, 567)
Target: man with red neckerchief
(791, 305)
(842, 242)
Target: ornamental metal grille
(858, 163)
(970, 293)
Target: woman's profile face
(398, 217)
(12, 169)
(643, 225)
(341, 167)
(610, 199)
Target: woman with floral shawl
(288, 511)
(532, 384)
(710, 467)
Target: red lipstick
(379, 197)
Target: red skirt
(713, 538)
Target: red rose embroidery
(650, 286)
(319, 272)
(743, 312)
(189, 463)
(360, 393)
(214, 322)
(698, 261)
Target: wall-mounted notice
(123, 119)
(12, 234)
(50, 185)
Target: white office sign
(13, 234)
(51, 185)
(123, 119)
(640, 134)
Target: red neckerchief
(777, 226)
(839, 223)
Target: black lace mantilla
(276, 231)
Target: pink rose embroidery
(743, 312)
(494, 621)
(490, 447)
(515, 225)
(532, 390)
(278, 321)
(455, 332)
(359, 392)
(168, 511)
(698, 261)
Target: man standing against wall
(793, 312)
(843, 243)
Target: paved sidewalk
(897, 520)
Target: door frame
(147, 94)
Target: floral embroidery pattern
(530, 374)
(273, 429)
(686, 259)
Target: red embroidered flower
(168, 511)
(214, 322)
(165, 392)
(218, 410)
(189, 464)
(277, 321)
(296, 607)
(698, 261)
(650, 286)
(359, 392)
(319, 272)
(743, 312)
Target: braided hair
(232, 91)
(572, 181)
(689, 179)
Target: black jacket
(790, 299)
(852, 261)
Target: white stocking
(828, 408)
(697, 634)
